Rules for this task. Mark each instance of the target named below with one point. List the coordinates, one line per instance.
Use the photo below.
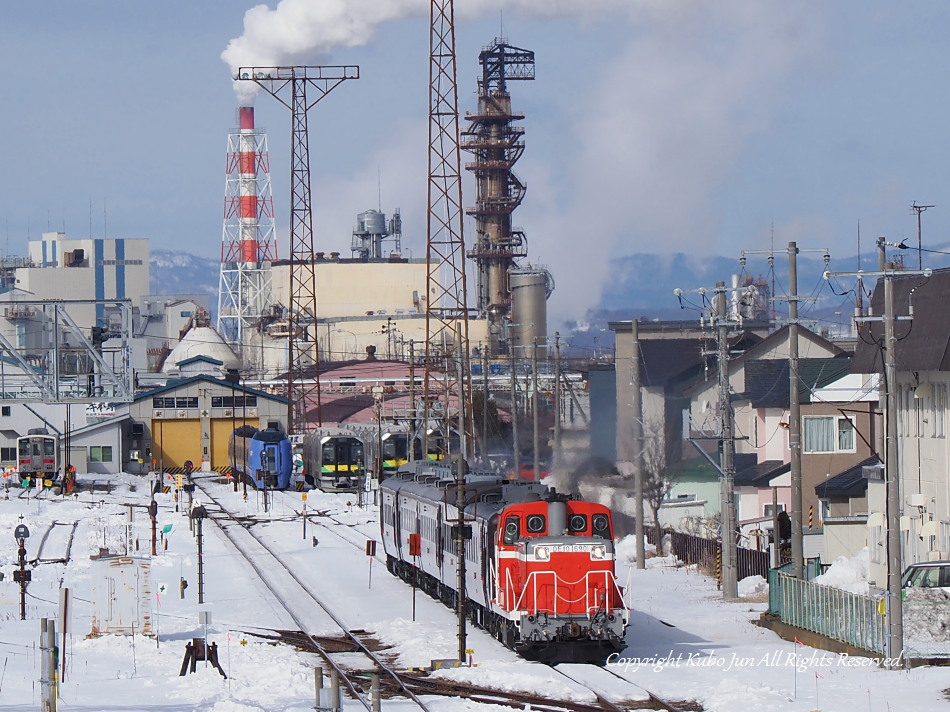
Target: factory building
(94, 269)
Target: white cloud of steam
(658, 133)
(298, 30)
(654, 131)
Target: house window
(827, 434)
(876, 544)
(938, 416)
(100, 453)
(768, 509)
(845, 435)
(8, 454)
(5, 410)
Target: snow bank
(848, 574)
(752, 586)
(626, 550)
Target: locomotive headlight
(541, 553)
(598, 552)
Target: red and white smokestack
(247, 192)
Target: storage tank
(530, 289)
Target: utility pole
(557, 396)
(721, 319)
(795, 416)
(895, 632)
(536, 442)
(485, 403)
(794, 407)
(637, 436)
(889, 398)
(514, 411)
(730, 583)
(919, 209)
(412, 401)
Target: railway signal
(198, 514)
(153, 512)
(22, 576)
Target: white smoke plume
(300, 30)
(636, 159)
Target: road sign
(21, 532)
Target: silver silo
(530, 289)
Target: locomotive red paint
(539, 565)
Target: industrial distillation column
(248, 244)
(497, 145)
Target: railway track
(581, 675)
(352, 677)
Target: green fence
(848, 617)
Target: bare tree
(659, 474)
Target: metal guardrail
(850, 618)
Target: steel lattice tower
(248, 243)
(303, 364)
(446, 352)
(497, 145)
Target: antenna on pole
(919, 209)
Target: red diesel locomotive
(539, 569)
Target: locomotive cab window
(577, 524)
(512, 529)
(601, 525)
(535, 523)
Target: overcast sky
(652, 126)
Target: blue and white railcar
(261, 457)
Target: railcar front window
(601, 524)
(535, 523)
(512, 529)
(577, 523)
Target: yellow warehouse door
(174, 441)
(220, 435)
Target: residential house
(921, 351)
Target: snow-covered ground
(684, 641)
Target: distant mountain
(182, 273)
(639, 286)
(642, 285)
